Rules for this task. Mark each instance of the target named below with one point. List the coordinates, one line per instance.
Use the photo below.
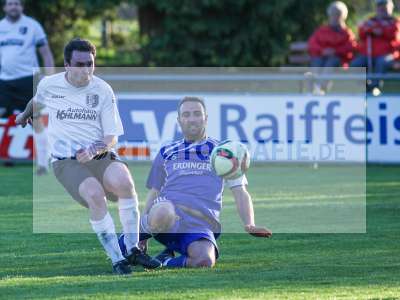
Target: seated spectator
(332, 45)
(379, 42)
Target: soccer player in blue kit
(184, 201)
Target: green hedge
(192, 32)
(225, 32)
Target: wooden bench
(298, 55)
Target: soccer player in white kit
(20, 37)
(84, 125)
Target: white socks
(105, 231)
(42, 149)
(129, 217)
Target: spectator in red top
(379, 41)
(332, 45)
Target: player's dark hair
(192, 99)
(20, 1)
(78, 44)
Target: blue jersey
(182, 173)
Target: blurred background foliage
(186, 32)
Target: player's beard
(195, 135)
(14, 15)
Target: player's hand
(258, 231)
(21, 120)
(83, 156)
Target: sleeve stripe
(41, 42)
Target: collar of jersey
(196, 143)
(15, 23)
(72, 86)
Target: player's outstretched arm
(32, 110)
(26, 116)
(245, 209)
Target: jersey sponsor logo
(11, 42)
(191, 168)
(57, 96)
(92, 100)
(77, 114)
(192, 165)
(23, 30)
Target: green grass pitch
(288, 266)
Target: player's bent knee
(206, 261)
(124, 183)
(161, 217)
(95, 193)
(201, 253)
(118, 180)
(91, 191)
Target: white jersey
(77, 116)
(18, 43)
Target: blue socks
(175, 262)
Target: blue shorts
(178, 242)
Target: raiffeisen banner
(333, 128)
(383, 129)
(277, 127)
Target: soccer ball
(230, 159)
